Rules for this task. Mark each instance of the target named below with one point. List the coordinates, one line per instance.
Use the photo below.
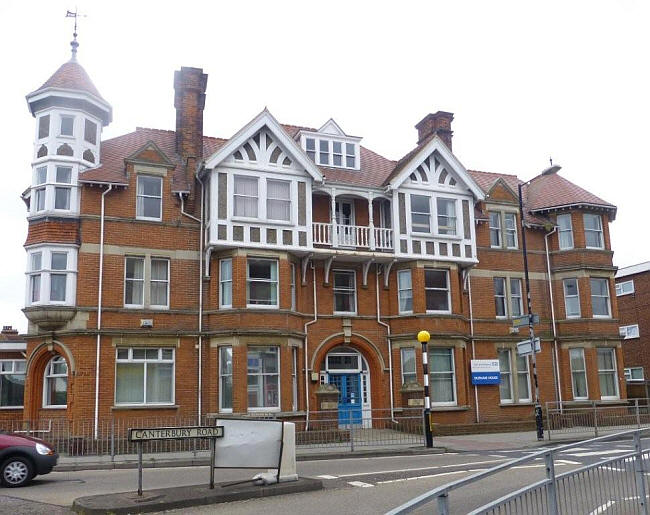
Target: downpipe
(390, 348)
(471, 332)
(313, 321)
(558, 380)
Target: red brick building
(174, 273)
(633, 295)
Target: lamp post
(423, 338)
(538, 407)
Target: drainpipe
(200, 346)
(99, 308)
(390, 348)
(471, 332)
(313, 321)
(558, 383)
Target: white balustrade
(352, 236)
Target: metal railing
(616, 484)
(597, 418)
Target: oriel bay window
(12, 382)
(345, 298)
(442, 376)
(51, 276)
(262, 283)
(436, 289)
(515, 377)
(53, 189)
(607, 374)
(144, 376)
(55, 383)
(263, 378)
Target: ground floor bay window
(442, 376)
(12, 383)
(607, 375)
(144, 376)
(263, 378)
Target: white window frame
(145, 361)
(150, 260)
(400, 289)
(629, 373)
(568, 230)
(452, 371)
(228, 263)
(428, 214)
(222, 351)
(503, 299)
(274, 263)
(143, 281)
(512, 375)
(452, 221)
(46, 271)
(86, 121)
(292, 286)
(447, 289)
(288, 200)
(235, 196)
(67, 186)
(629, 332)
(612, 371)
(576, 371)
(294, 379)
(413, 373)
(510, 231)
(49, 376)
(506, 375)
(147, 282)
(625, 288)
(576, 296)
(74, 122)
(139, 212)
(508, 297)
(495, 229)
(609, 304)
(345, 291)
(38, 127)
(598, 231)
(327, 146)
(13, 371)
(262, 374)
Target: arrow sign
(523, 320)
(526, 349)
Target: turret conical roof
(71, 75)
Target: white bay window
(51, 276)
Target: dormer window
(350, 155)
(311, 148)
(324, 154)
(67, 125)
(331, 152)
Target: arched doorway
(347, 369)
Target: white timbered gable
(263, 150)
(433, 171)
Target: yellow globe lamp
(424, 336)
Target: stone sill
(448, 408)
(515, 404)
(145, 407)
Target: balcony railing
(357, 236)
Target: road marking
(602, 508)
(360, 484)
(597, 453)
(428, 476)
(568, 462)
(367, 458)
(326, 476)
(433, 467)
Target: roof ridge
(496, 173)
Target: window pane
(159, 382)
(57, 391)
(225, 359)
(420, 203)
(129, 383)
(435, 279)
(67, 125)
(343, 280)
(159, 269)
(259, 269)
(149, 186)
(61, 198)
(437, 300)
(12, 389)
(505, 388)
(35, 288)
(57, 287)
(36, 261)
(41, 175)
(134, 292)
(344, 302)
(134, 268)
(441, 360)
(40, 199)
(44, 126)
(149, 207)
(408, 365)
(159, 293)
(64, 174)
(59, 260)
(226, 392)
(90, 132)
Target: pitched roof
(632, 269)
(407, 158)
(552, 191)
(71, 75)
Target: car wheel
(16, 471)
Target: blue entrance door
(349, 386)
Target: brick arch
(359, 342)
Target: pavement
(458, 443)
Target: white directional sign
(526, 349)
(523, 320)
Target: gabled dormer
(330, 146)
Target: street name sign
(523, 320)
(485, 371)
(174, 433)
(526, 349)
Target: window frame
(452, 372)
(223, 376)
(420, 213)
(576, 296)
(152, 281)
(448, 290)
(86, 131)
(222, 281)
(142, 281)
(608, 297)
(48, 376)
(414, 372)
(627, 329)
(292, 285)
(274, 263)
(66, 117)
(400, 289)
(599, 231)
(40, 126)
(508, 374)
(575, 371)
(510, 231)
(452, 228)
(46, 272)
(503, 299)
(345, 291)
(620, 288)
(138, 196)
(513, 374)
(610, 371)
(14, 372)
(628, 373)
(495, 229)
(294, 379)
(262, 374)
(560, 231)
(288, 201)
(145, 361)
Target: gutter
(99, 310)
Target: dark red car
(23, 457)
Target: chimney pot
(436, 123)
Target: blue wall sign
(485, 371)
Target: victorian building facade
(173, 273)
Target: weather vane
(73, 43)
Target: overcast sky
(525, 81)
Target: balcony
(352, 236)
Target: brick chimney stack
(189, 100)
(439, 123)
(8, 333)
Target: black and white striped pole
(423, 338)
